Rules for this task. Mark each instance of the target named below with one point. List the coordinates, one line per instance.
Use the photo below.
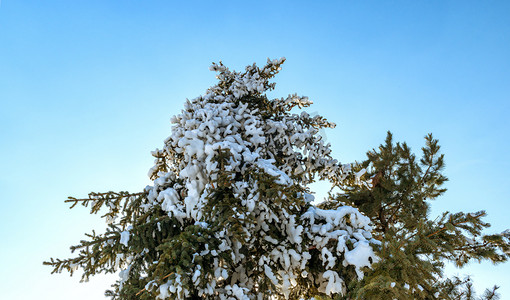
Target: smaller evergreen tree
(414, 248)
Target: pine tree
(230, 214)
(414, 248)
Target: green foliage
(414, 248)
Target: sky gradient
(87, 89)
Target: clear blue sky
(87, 89)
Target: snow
(124, 238)
(335, 285)
(360, 257)
(269, 168)
(196, 275)
(171, 203)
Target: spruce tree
(230, 214)
(396, 193)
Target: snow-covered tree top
(230, 213)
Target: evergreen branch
(399, 206)
(461, 248)
(69, 264)
(95, 241)
(480, 214)
(98, 199)
(119, 194)
(491, 294)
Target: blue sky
(87, 89)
